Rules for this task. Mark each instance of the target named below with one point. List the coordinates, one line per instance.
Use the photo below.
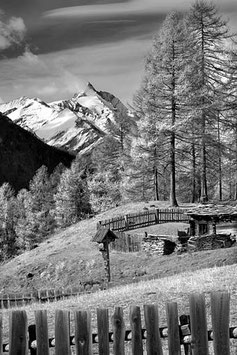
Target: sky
(51, 48)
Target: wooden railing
(144, 219)
(191, 332)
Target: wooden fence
(185, 334)
(144, 219)
(52, 295)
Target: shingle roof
(212, 210)
(104, 233)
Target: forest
(184, 148)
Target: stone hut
(203, 219)
(203, 222)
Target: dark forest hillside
(22, 154)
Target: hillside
(69, 258)
(22, 153)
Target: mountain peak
(88, 91)
(74, 124)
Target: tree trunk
(156, 185)
(219, 157)
(235, 165)
(173, 201)
(194, 193)
(204, 196)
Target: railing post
(157, 215)
(126, 222)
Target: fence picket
(83, 339)
(173, 328)
(18, 333)
(103, 331)
(193, 335)
(118, 331)
(62, 333)
(220, 312)
(135, 321)
(198, 325)
(42, 332)
(153, 342)
(143, 219)
(1, 345)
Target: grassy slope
(69, 257)
(160, 291)
(73, 245)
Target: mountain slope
(22, 153)
(69, 258)
(77, 124)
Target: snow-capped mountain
(76, 124)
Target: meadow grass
(175, 288)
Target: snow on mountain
(76, 124)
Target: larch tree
(72, 197)
(8, 237)
(39, 208)
(161, 98)
(210, 79)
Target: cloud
(114, 67)
(132, 7)
(29, 58)
(12, 31)
(107, 10)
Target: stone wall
(210, 242)
(158, 245)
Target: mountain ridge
(77, 124)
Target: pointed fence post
(135, 321)
(42, 337)
(62, 333)
(220, 312)
(153, 341)
(18, 333)
(199, 334)
(103, 331)
(1, 344)
(83, 338)
(118, 331)
(173, 328)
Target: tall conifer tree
(210, 80)
(160, 97)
